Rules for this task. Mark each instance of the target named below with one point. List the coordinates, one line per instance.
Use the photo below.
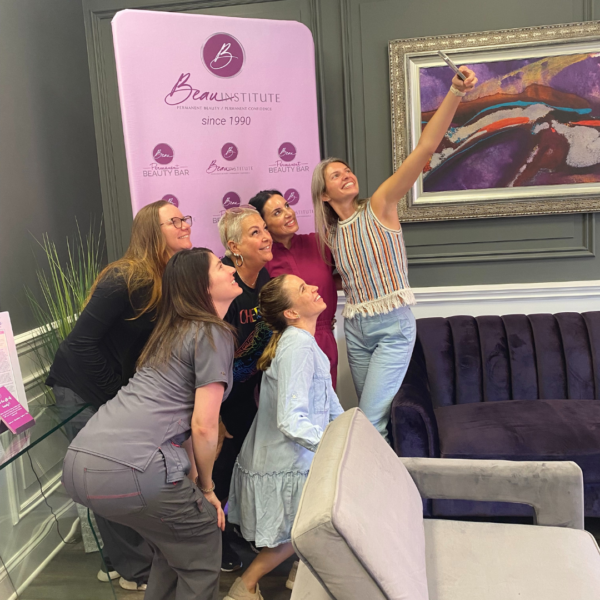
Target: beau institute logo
(162, 157)
(292, 196)
(287, 152)
(223, 55)
(163, 154)
(286, 163)
(229, 151)
(231, 200)
(171, 199)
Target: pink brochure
(12, 414)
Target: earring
(235, 257)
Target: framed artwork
(525, 141)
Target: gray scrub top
(154, 410)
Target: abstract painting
(526, 140)
(529, 122)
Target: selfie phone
(445, 58)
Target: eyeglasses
(177, 222)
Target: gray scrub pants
(125, 550)
(173, 518)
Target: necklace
(248, 284)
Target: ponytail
(273, 301)
(264, 362)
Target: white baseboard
(502, 299)
(39, 550)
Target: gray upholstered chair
(360, 534)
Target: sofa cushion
(359, 526)
(491, 561)
(524, 430)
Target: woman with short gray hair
(248, 248)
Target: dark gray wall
(49, 169)
(351, 39)
(48, 162)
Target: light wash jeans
(379, 350)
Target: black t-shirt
(99, 356)
(253, 335)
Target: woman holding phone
(365, 238)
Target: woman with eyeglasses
(299, 254)
(99, 356)
(127, 463)
(248, 248)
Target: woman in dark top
(127, 463)
(99, 355)
(244, 234)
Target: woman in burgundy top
(298, 254)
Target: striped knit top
(371, 259)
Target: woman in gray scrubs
(127, 464)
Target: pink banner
(214, 110)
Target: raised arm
(385, 199)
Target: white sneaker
(289, 584)
(132, 585)
(106, 577)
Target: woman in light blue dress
(297, 401)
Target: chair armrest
(414, 426)
(553, 489)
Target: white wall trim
(479, 300)
(570, 290)
(25, 553)
(510, 298)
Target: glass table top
(47, 421)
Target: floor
(72, 576)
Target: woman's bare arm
(385, 200)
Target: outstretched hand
(469, 84)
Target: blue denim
(379, 350)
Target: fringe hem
(380, 306)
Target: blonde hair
(230, 225)
(272, 302)
(326, 219)
(144, 263)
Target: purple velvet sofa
(518, 387)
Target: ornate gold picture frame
(526, 141)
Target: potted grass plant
(64, 285)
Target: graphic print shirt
(253, 336)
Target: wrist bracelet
(205, 491)
(457, 92)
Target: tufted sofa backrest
(514, 357)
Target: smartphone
(445, 58)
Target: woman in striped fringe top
(366, 241)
